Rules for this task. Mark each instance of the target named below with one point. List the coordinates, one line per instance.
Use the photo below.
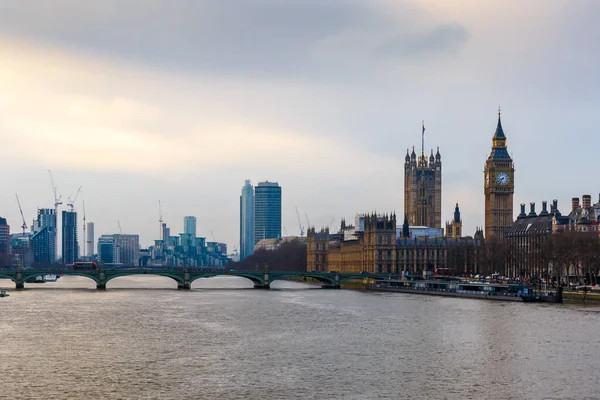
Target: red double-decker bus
(445, 271)
(84, 265)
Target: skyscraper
(4, 241)
(70, 244)
(189, 226)
(423, 188)
(267, 211)
(89, 240)
(44, 236)
(247, 220)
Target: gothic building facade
(499, 187)
(454, 228)
(375, 245)
(423, 189)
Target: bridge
(185, 276)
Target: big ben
(499, 186)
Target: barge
(473, 290)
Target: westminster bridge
(184, 276)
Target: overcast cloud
(182, 100)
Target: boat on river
(3, 293)
(43, 278)
(474, 290)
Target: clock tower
(499, 187)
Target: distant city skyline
(323, 97)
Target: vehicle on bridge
(84, 265)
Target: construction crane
(331, 223)
(24, 226)
(57, 197)
(71, 203)
(120, 230)
(160, 222)
(84, 237)
(299, 223)
(213, 236)
(57, 203)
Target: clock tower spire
(499, 187)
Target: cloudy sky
(181, 100)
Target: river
(144, 339)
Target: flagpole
(423, 138)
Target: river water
(143, 339)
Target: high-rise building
(128, 249)
(119, 249)
(423, 188)
(267, 211)
(499, 187)
(189, 226)
(106, 249)
(4, 241)
(44, 236)
(70, 244)
(247, 220)
(89, 240)
(166, 233)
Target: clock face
(502, 178)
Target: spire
(407, 158)
(456, 214)
(405, 230)
(499, 135)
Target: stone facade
(381, 248)
(423, 189)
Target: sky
(180, 101)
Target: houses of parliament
(375, 243)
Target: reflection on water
(142, 338)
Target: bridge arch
(196, 277)
(324, 279)
(255, 278)
(65, 273)
(178, 279)
(12, 278)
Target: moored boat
(3, 293)
(475, 290)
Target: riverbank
(581, 297)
